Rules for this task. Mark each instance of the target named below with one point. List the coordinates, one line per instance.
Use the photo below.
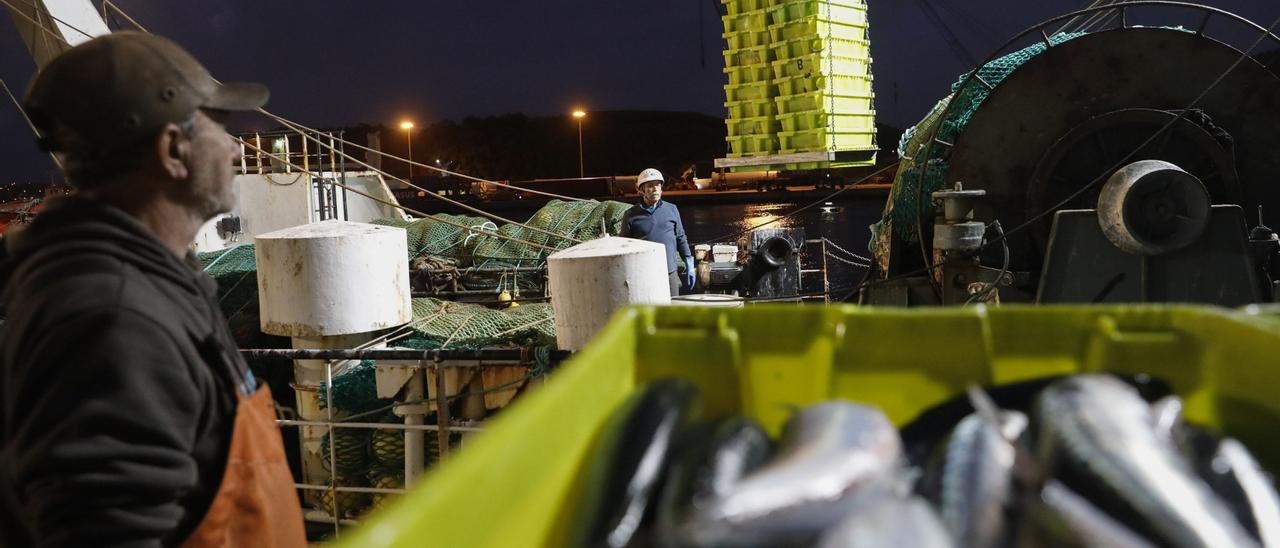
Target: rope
(431, 193)
(798, 211)
(398, 206)
(441, 170)
(31, 125)
(846, 251)
(388, 155)
(32, 4)
(322, 144)
(847, 261)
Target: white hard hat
(649, 175)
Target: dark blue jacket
(662, 226)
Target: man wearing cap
(127, 416)
(657, 221)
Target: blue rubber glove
(690, 273)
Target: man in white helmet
(657, 221)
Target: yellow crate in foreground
(510, 486)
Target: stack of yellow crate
(752, 127)
(822, 69)
(817, 83)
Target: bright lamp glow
(579, 114)
(406, 125)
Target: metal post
(257, 151)
(581, 172)
(414, 438)
(408, 133)
(442, 411)
(826, 283)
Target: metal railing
(411, 371)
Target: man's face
(210, 189)
(651, 192)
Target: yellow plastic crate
(817, 27)
(849, 12)
(747, 56)
(746, 39)
(747, 92)
(749, 109)
(749, 20)
(515, 483)
(858, 49)
(752, 145)
(813, 119)
(832, 84)
(812, 140)
(759, 125)
(736, 7)
(816, 64)
(835, 104)
(748, 74)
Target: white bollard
(592, 280)
(330, 284)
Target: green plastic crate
(832, 84)
(800, 47)
(849, 12)
(750, 109)
(748, 74)
(752, 145)
(815, 64)
(524, 471)
(737, 7)
(747, 56)
(813, 119)
(817, 100)
(746, 39)
(751, 91)
(813, 140)
(759, 125)
(757, 20)
(816, 27)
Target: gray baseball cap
(120, 88)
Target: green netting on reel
(901, 210)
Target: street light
(408, 135)
(579, 115)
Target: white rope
(31, 125)
(366, 165)
(388, 155)
(398, 206)
(441, 170)
(433, 194)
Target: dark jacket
(117, 379)
(662, 226)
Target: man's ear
(171, 152)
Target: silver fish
(977, 478)
(1098, 430)
(1259, 494)
(1073, 521)
(833, 457)
(894, 521)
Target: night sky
(333, 63)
